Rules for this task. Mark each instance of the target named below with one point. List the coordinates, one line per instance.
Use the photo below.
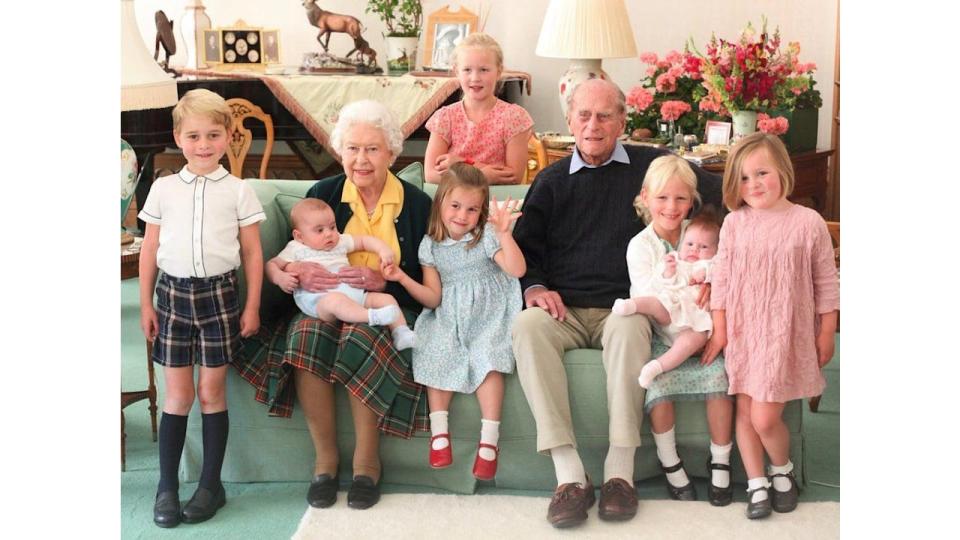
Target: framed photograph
(211, 47)
(445, 29)
(718, 132)
(271, 46)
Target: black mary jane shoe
(682, 493)
(363, 493)
(785, 501)
(718, 496)
(323, 491)
(204, 504)
(760, 509)
(166, 509)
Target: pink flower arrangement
(673, 110)
(775, 126)
(639, 98)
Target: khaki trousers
(539, 342)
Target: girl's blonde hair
(747, 146)
(660, 171)
(459, 175)
(202, 102)
(479, 40)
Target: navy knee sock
(215, 429)
(173, 431)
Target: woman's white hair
(370, 112)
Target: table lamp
(147, 97)
(585, 31)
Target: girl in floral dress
(471, 292)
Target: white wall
(657, 27)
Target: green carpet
(273, 510)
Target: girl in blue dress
(471, 294)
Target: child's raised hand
(503, 215)
(392, 272)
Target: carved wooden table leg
(123, 444)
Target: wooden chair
(537, 158)
(240, 137)
(834, 228)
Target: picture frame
(212, 53)
(717, 132)
(271, 46)
(241, 46)
(445, 29)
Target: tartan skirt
(360, 357)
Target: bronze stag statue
(329, 22)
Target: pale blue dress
(468, 335)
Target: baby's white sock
(779, 482)
(720, 454)
(403, 337)
(667, 453)
(651, 370)
(567, 464)
(438, 425)
(489, 434)
(619, 463)
(383, 316)
(624, 306)
(755, 483)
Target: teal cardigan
(411, 227)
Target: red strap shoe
(484, 469)
(443, 458)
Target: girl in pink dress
(775, 303)
(480, 129)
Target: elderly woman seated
(367, 200)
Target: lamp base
(580, 70)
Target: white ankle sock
(651, 370)
(780, 483)
(403, 337)
(624, 306)
(667, 453)
(382, 316)
(720, 454)
(489, 434)
(567, 464)
(754, 483)
(619, 463)
(438, 425)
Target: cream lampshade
(585, 31)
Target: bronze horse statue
(329, 22)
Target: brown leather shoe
(618, 500)
(570, 503)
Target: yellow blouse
(381, 224)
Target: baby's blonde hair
(306, 205)
(202, 102)
(479, 40)
(747, 146)
(660, 171)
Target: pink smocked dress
(483, 142)
(773, 273)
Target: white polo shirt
(200, 219)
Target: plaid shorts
(199, 321)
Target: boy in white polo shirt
(200, 224)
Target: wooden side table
(129, 268)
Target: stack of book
(703, 157)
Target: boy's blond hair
(202, 102)
(660, 171)
(748, 145)
(306, 205)
(479, 40)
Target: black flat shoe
(323, 491)
(785, 501)
(718, 496)
(363, 493)
(761, 509)
(204, 505)
(682, 493)
(166, 509)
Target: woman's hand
(503, 215)
(362, 277)
(313, 277)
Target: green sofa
(262, 448)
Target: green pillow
(412, 173)
(286, 201)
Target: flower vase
(744, 123)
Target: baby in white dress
(671, 298)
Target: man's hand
(362, 277)
(314, 277)
(249, 322)
(547, 300)
(148, 322)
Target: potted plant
(402, 18)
